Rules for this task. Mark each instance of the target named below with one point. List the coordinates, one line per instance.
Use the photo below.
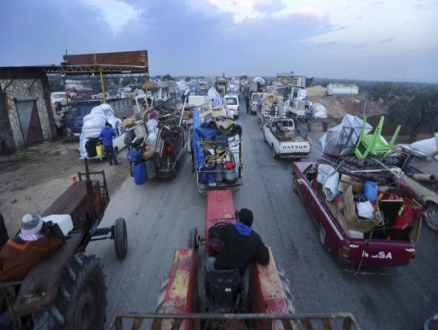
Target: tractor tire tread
(61, 314)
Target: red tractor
(259, 300)
(67, 289)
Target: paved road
(159, 215)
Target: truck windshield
(78, 112)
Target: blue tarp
(203, 132)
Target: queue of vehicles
(213, 149)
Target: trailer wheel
(295, 185)
(431, 216)
(324, 127)
(174, 170)
(81, 299)
(120, 238)
(192, 239)
(274, 153)
(323, 237)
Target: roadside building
(26, 116)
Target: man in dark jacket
(107, 134)
(241, 246)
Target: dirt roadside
(31, 180)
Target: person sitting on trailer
(306, 103)
(36, 241)
(241, 246)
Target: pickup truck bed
(287, 138)
(355, 241)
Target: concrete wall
(24, 82)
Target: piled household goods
(365, 195)
(92, 126)
(318, 110)
(216, 148)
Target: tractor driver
(36, 242)
(241, 246)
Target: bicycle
(210, 161)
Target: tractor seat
(224, 286)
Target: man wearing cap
(106, 134)
(23, 252)
(241, 246)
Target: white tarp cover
(428, 146)
(339, 140)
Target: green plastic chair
(375, 143)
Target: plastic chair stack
(374, 143)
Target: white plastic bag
(151, 139)
(329, 178)
(107, 109)
(428, 146)
(365, 210)
(151, 124)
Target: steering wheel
(213, 241)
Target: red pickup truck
(358, 242)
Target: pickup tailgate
(381, 252)
(302, 147)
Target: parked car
(355, 240)
(232, 101)
(76, 114)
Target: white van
(58, 97)
(232, 101)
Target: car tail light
(169, 149)
(413, 253)
(345, 251)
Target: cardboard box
(351, 219)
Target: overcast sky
(395, 40)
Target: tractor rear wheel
(192, 239)
(120, 238)
(81, 299)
